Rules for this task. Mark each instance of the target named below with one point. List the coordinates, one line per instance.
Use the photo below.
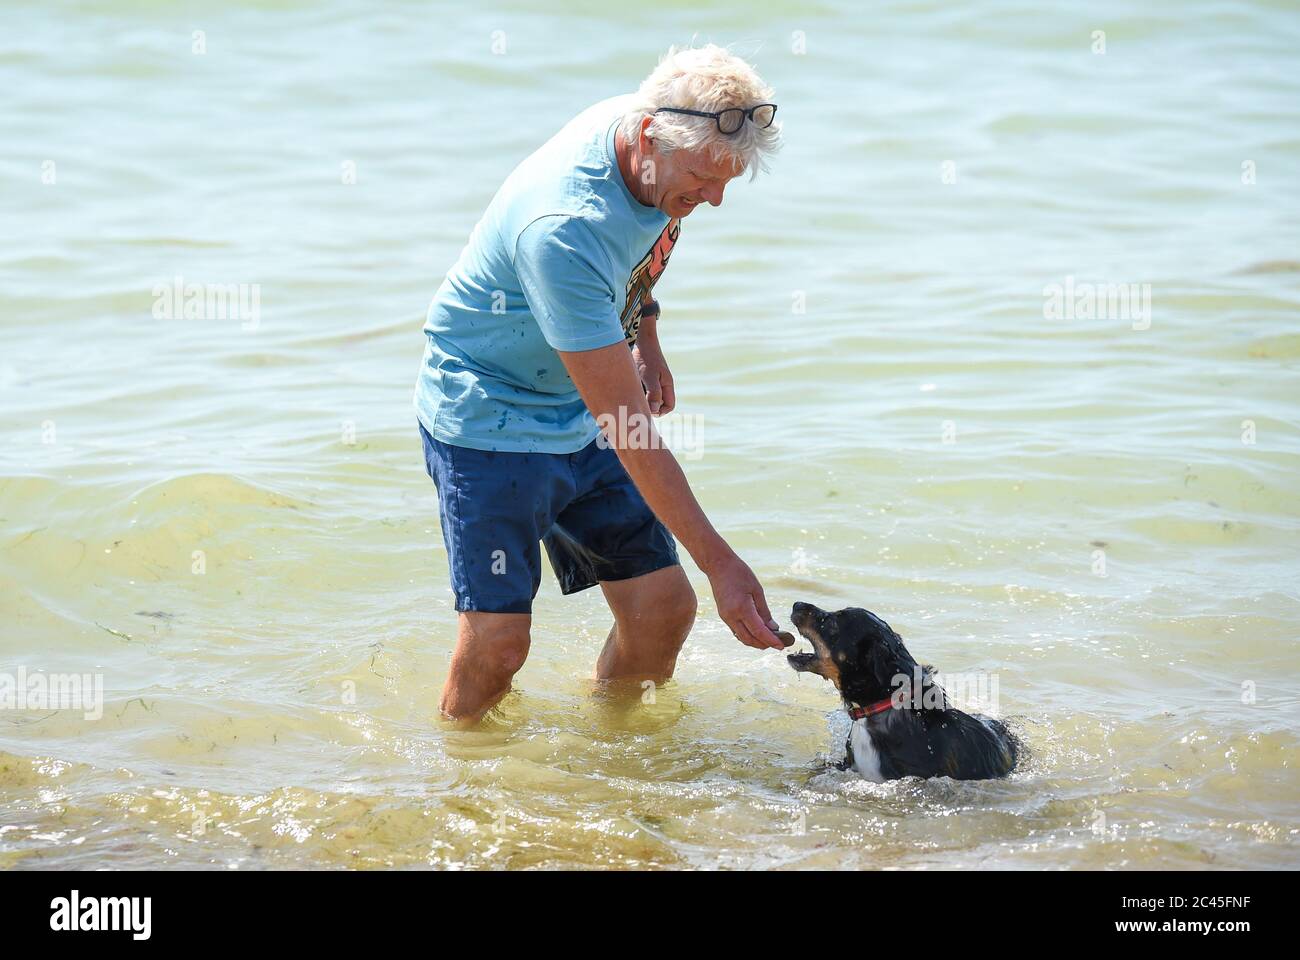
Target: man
(528, 346)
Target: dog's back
(931, 743)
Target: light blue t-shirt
(563, 259)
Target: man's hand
(654, 373)
(741, 603)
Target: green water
(892, 417)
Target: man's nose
(713, 194)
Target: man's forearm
(608, 384)
(659, 477)
(611, 389)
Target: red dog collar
(857, 713)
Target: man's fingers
(744, 631)
(670, 394)
(759, 630)
(654, 397)
(740, 632)
(760, 604)
(744, 635)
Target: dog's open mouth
(819, 662)
(805, 662)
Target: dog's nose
(801, 608)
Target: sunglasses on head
(730, 121)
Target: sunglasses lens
(764, 115)
(729, 121)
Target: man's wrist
(715, 552)
(649, 326)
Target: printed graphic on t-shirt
(644, 276)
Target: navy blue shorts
(496, 506)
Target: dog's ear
(931, 692)
(882, 666)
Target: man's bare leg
(490, 649)
(653, 614)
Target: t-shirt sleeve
(562, 271)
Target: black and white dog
(897, 731)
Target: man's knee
(495, 644)
(507, 658)
(670, 611)
(681, 608)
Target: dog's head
(853, 649)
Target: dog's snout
(803, 614)
(808, 612)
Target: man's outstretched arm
(608, 383)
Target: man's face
(685, 179)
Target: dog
(897, 731)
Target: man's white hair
(704, 78)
